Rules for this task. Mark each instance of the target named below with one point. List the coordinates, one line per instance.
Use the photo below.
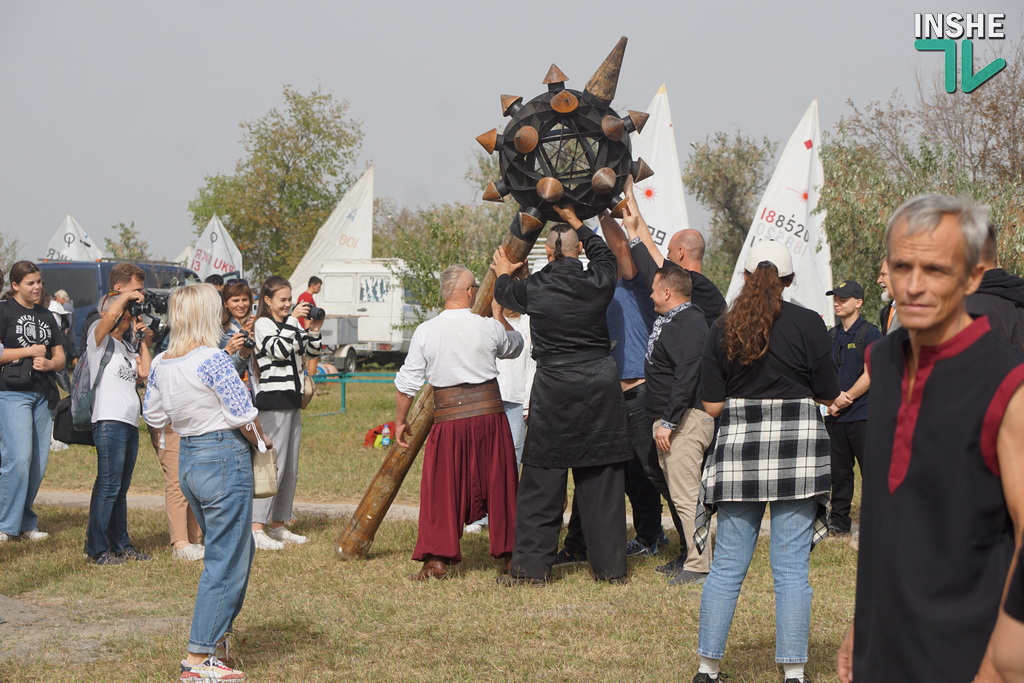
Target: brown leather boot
(433, 568)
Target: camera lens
(316, 313)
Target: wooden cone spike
(528, 223)
(641, 171)
(550, 189)
(491, 194)
(508, 104)
(617, 212)
(526, 139)
(554, 75)
(604, 81)
(488, 140)
(564, 102)
(638, 119)
(613, 127)
(603, 181)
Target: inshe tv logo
(940, 33)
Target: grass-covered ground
(312, 617)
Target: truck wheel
(348, 363)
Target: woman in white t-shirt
(195, 386)
(115, 426)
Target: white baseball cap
(773, 252)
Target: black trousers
(645, 481)
(847, 439)
(600, 492)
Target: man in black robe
(577, 413)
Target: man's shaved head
(562, 241)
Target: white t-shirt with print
(116, 397)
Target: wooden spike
(603, 181)
(550, 189)
(491, 194)
(508, 102)
(638, 119)
(555, 75)
(528, 223)
(641, 171)
(613, 127)
(488, 140)
(604, 81)
(526, 139)
(564, 102)
(618, 210)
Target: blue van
(87, 281)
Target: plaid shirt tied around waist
(768, 449)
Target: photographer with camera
(117, 349)
(281, 347)
(33, 353)
(238, 341)
(313, 286)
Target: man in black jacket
(577, 413)
(1000, 295)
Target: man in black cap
(847, 416)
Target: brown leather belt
(467, 400)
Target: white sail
(215, 252)
(184, 259)
(661, 197)
(784, 215)
(346, 234)
(72, 243)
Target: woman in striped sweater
(281, 348)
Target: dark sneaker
(637, 548)
(566, 556)
(707, 678)
(672, 567)
(107, 558)
(130, 553)
(684, 577)
(797, 680)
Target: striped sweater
(280, 351)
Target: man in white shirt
(469, 464)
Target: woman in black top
(33, 353)
(765, 363)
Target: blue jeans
(25, 424)
(215, 473)
(117, 446)
(791, 533)
(514, 413)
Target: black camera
(152, 303)
(247, 340)
(316, 313)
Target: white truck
(365, 305)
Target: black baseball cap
(846, 289)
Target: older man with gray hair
(943, 493)
(469, 463)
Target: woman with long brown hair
(766, 363)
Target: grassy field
(311, 617)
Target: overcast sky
(115, 111)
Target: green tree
(297, 166)
(127, 246)
(429, 240)
(728, 175)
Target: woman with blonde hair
(766, 363)
(195, 386)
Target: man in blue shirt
(847, 416)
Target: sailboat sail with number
(786, 215)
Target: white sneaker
(35, 535)
(4, 537)
(264, 542)
(473, 529)
(190, 553)
(284, 536)
(58, 445)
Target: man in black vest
(1000, 295)
(943, 495)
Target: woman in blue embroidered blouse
(195, 386)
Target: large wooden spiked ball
(565, 146)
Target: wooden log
(357, 537)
